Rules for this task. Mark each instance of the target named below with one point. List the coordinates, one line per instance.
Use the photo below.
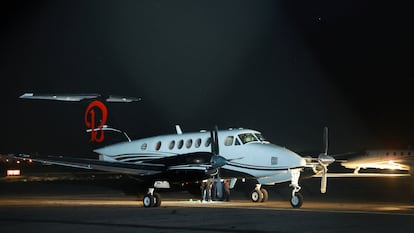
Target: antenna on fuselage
(107, 128)
(178, 129)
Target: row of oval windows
(197, 143)
(180, 144)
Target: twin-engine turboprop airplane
(190, 157)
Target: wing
(94, 164)
(183, 162)
(363, 175)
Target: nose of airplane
(294, 159)
(301, 160)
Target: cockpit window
(247, 137)
(260, 137)
(250, 137)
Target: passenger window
(208, 142)
(189, 143)
(172, 144)
(158, 145)
(229, 141)
(197, 143)
(144, 146)
(180, 144)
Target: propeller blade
(325, 140)
(216, 161)
(324, 179)
(214, 141)
(219, 186)
(325, 160)
(216, 144)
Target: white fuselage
(248, 152)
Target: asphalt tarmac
(78, 207)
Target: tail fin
(96, 113)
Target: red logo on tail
(95, 109)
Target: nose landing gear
(296, 200)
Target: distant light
(13, 172)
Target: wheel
(297, 200)
(148, 200)
(157, 200)
(265, 195)
(256, 196)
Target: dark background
(286, 68)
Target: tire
(265, 195)
(148, 200)
(256, 196)
(157, 200)
(297, 200)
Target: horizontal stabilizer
(60, 97)
(78, 97)
(122, 99)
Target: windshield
(247, 137)
(260, 137)
(250, 137)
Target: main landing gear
(259, 194)
(151, 199)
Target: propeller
(216, 160)
(325, 160)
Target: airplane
(401, 160)
(165, 160)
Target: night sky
(285, 68)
